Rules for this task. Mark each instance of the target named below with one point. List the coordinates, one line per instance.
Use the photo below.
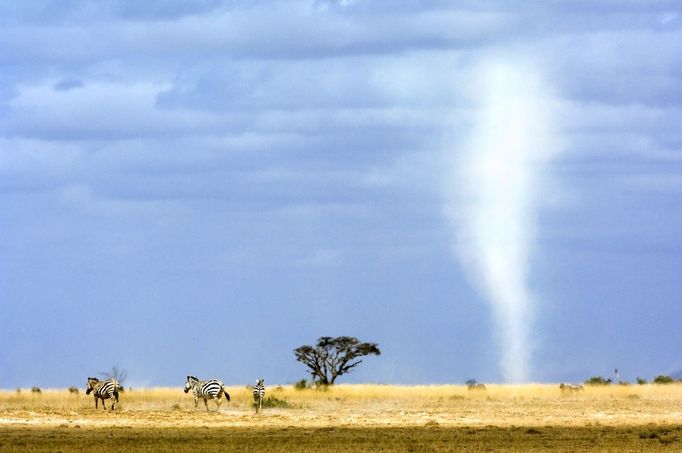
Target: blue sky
(201, 187)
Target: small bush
(273, 402)
(301, 385)
(176, 407)
(641, 381)
(597, 380)
(663, 379)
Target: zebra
(35, 389)
(211, 389)
(570, 388)
(259, 394)
(102, 390)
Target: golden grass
(632, 417)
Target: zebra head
(260, 382)
(191, 382)
(92, 382)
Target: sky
(486, 189)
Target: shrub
(597, 380)
(663, 379)
(641, 381)
(301, 385)
(273, 402)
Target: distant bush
(273, 402)
(176, 407)
(73, 390)
(663, 379)
(597, 380)
(641, 381)
(301, 385)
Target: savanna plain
(348, 418)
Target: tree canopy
(333, 357)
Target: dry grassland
(353, 418)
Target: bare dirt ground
(353, 418)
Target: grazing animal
(570, 388)
(35, 390)
(259, 394)
(476, 387)
(73, 390)
(102, 390)
(211, 389)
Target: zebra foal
(259, 394)
(211, 389)
(102, 390)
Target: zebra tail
(227, 395)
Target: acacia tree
(333, 357)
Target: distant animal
(73, 390)
(259, 394)
(570, 388)
(35, 390)
(476, 387)
(102, 390)
(211, 389)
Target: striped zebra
(211, 389)
(259, 394)
(103, 390)
(570, 388)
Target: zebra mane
(192, 378)
(94, 379)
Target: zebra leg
(196, 402)
(206, 404)
(96, 402)
(218, 401)
(104, 406)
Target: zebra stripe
(259, 394)
(211, 389)
(102, 390)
